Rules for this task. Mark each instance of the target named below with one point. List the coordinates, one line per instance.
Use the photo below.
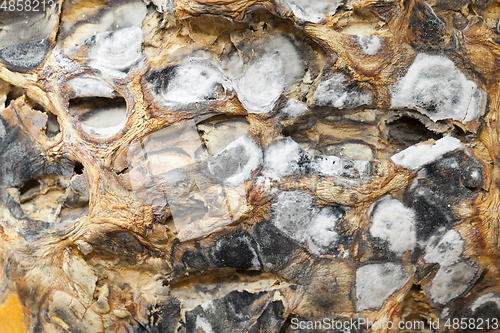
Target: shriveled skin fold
(244, 166)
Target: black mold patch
(162, 316)
(281, 255)
(121, 243)
(443, 184)
(271, 320)
(160, 79)
(25, 56)
(428, 29)
(431, 210)
(26, 157)
(275, 249)
(236, 312)
(188, 255)
(485, 313)
(195, 259)
(237, 250)
(455, 175)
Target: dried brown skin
(90, 232)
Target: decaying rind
(244, 166)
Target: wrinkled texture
(239, 165)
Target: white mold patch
(115, 53)
(447, 251)
(394, 223)
(376, 282)
(486, 298)
(293, 109)
(435, 87)
(195, 81)
(370, 45)
(416, 156)
(313, 11)
(273, 67)
(333, 91)
(333, 166)
(76, 29)
(452, 281)
(88, 86)
(267, 185)
(321, 232)
(203, 324)
(286, 158)
(282, 159)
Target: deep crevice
(406, 131)
(29, 185)
(14, 93)
(78, 168)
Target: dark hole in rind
(30, 184)
(78, 168)
(96, 102)
(13, 94)
(405, 132)
(52, 126)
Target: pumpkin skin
(249, 166)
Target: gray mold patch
(273, 67)
(455, 275)
(333, 166)
(238, 312)
(376, 282)
(334, 91)
(296, 216)
(235, 164)
(292, 214)
(435, 87)
(446, 251)
(25, 56)
(116, 53)
(195, 81)
(287, 158)
(369, 44)
(452, 281)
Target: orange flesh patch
(12, 316)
